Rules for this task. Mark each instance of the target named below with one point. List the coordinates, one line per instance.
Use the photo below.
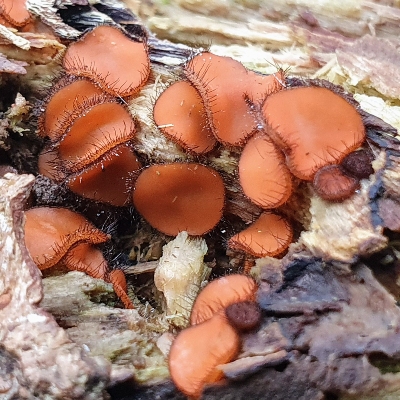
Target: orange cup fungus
(106, 56)
(270, 235)
(59, 236)
(212, 339)
(221, 293)
(224, 84)
(313, 126)
(94, 133)
(197, 351)
(180, 197)
(110, 179)
(263, 175)
(68, 97)
(179, 113)
(15, 12)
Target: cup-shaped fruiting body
(109, 180)
(105, 55)
(179, 113)
(86, 258)
(221, 293)
(60, 236)
(224, 85)
(180, 197)
(333, 184)
(51, 232)
(95, 132)
(244, 316)
(313, 126)
(197, 351)
(68, 95)
(270, 235)
(15, 12)
(263, 174)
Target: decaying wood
(45, 360)
(329, 328)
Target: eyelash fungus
(283, 139)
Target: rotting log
(326, 314)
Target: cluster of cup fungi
(224, 309)
(284, 135)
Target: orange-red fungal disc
(314, 126)
(109, 180)
(60, 107)
(221, 293)
(270, 235)
(263, 174)
(180, 197)
(105, 55)
(15, 12)
(117, 278)
(198, 350)
(332, 184)
(221, 82)
(95, 133)
(51, 232)
(87, 258)
(180, 115)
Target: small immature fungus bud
(180, 197)
(180, 115)
(313, 126)
(198, 350)
(224, 84)
(221, 293)
(244, 316)
(332, 184)
(68, 94)
(15, 12)
(263, 174)
(358, 164)
(270, 235)
(108, 57)
(51, 232)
